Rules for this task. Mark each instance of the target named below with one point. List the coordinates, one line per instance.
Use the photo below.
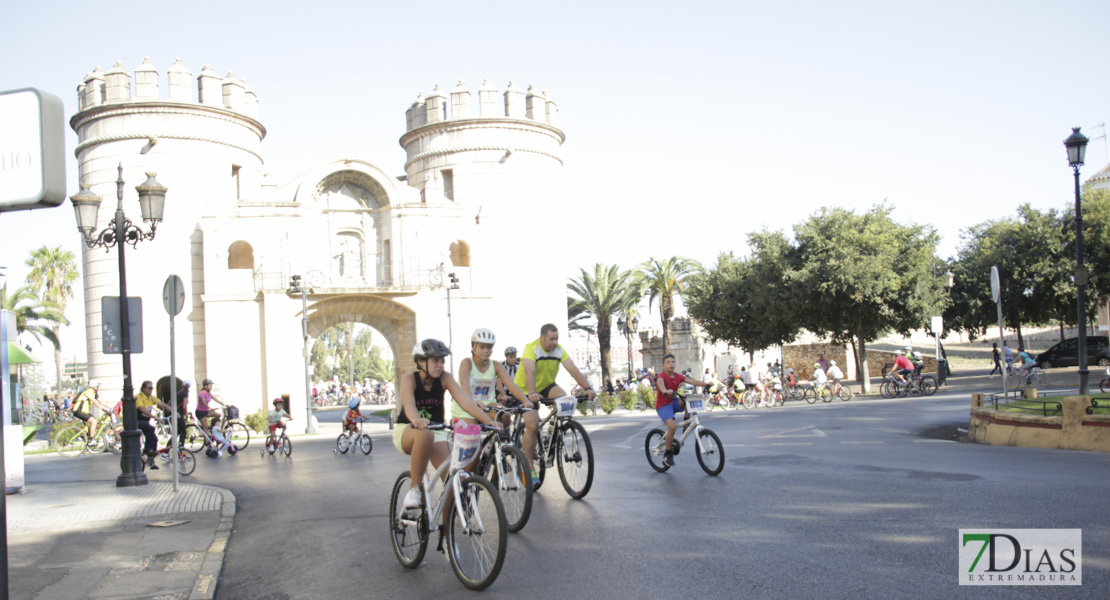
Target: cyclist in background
(820, 378)
(205, 414)
(350, 420)
(835, 374)
(902, 367)
(510, 363)
(275, 418)
(145, 401)
(1023, 361)
(88, 398)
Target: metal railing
(1010, 398)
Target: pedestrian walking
(996, 358)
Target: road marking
(934, 441)
(876, 442)
(792, 443)
(808, 431)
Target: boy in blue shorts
(667, 404)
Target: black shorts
(201, 414)
(547, 390)
(84, 416)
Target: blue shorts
(667, 412)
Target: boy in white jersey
(478, 375)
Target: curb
(208, 578)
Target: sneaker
(668, 459)
(219, 454)
(232, 451)
(413, 498)
(152, 465)
(535, 478)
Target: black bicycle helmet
(429, 348)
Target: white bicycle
(476, 532)
(710, 452)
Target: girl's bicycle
(279, 443)
(564, 441)
(710, 452)
(506, 468)
(349, 441)
(476, 531)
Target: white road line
(871, 442)
(934, 441)
(792, 443)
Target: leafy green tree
(1096, 239)
(52, 274)
(603, 294)
(32, 316)
(664, 280)
(860, 276)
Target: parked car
(1066, 353)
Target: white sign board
(32, 150)
(938, 326)
(996, 286)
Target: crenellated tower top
(114, 87)
(514, 103)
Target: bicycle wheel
(1040, 379)
(929, 384)
(286, 446)
(539, 462)
(575, 456)
(749, 399)
(477, 535)
(886, 389)
(810, 395)
(342, 443)
(186, 462)
(1104, 385)
(71, 441)
(515, 486)
(654, 447)
(845, 393)
(240, 435)
(365, 443)
(711, 454)
(1013, 381)
(408, 530)
(194, 438)
(114, 441)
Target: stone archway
(394, 321)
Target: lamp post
(450, 328)
(297, 286)
(628, 327)
(1077, 148)
(152, 202)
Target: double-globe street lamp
(152, 202)
(628, 327)
(1077, 148)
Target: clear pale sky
(688, 124)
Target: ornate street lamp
(1077, 148)
(628, 327)
(86, 205)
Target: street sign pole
(996, 294)
(173, 297)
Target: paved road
(829, 500)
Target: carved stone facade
(372, 250)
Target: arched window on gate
(240, 255)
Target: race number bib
(481, 390)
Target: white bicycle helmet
(832, 363)
(483, 336)
(94, 383)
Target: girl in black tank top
(428, 402)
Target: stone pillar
(419, 112)
(536, 105)
(1075, 408)
(436, 106)
(487, 100)
(117, 84)
(514, 101)
(179, 81)
(94, 88)
(460, 102)
(552, 111)
(250, 101)
(233, 97)
(146, 81)
(209, 88)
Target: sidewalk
(94, 540)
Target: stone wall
(1075, 430)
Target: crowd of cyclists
(333, 392)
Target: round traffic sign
(173, 295)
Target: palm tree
(33, 316)
(53, 272)
(603, 294)
(664, 280)
(577, 317)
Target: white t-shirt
(835, 373)
(819, 376)
(274, 416)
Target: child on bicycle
(422, 403)
(478, 374)
(819, 380)
(835, 374)
(667, 403)
(275, 418)
(353, 416)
